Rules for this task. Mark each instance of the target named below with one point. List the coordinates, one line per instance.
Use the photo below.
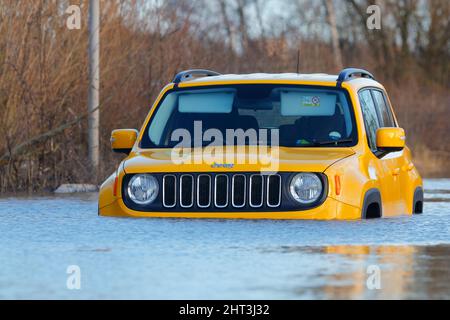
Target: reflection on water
(406, 271)
(220, 259)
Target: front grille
(222, 191)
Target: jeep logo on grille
(216, 165)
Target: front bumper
(329, 210)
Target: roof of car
(268, 76)
(358, 78)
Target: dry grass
(434, 163)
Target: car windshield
(299, 116)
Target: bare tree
(331, 18)
(227, 24)
(260, 19)
(241, 4)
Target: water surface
(220, 259)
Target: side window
(370, 115)
(386, 116)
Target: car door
(397, 158)
(382, 168)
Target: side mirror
(390, 139)
(122, 140)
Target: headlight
(306, 188)
(143, 189)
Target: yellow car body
(359, 182)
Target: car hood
(288, 159)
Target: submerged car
(333, 150)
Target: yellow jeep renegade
(265, 146)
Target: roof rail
(348, 73)
(188, 74)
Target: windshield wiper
(332, 142)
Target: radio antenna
(298, 60)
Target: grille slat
(256, 191)
(186, 191)
(169, 191)
(273, 190)
(238, 191)
(203, 191)
(221, 191)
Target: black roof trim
(349, 73)
(189, 74)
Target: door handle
(396, 172)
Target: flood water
(40, 237)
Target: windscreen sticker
(311, 101)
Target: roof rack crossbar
(189, 74)
(349, 73)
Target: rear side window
(386, 117)
(371, 119)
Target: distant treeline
(44, 75)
